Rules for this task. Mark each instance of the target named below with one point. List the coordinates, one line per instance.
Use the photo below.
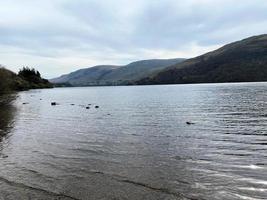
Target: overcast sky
(59, 36)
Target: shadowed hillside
(242, 61)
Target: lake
(137, 144)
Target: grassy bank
(26, 79)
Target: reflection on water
(7, 113)
(137, 144)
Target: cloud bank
(59, 36)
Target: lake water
(137, 144)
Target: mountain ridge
(115, 74)
(241, 61)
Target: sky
(60, 36)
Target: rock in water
(190, 123)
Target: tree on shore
(30, 74)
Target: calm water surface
(137, 144)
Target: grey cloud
(173, 24)
(71, 34)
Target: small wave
(250, 166)
(255, 181)
(162, 190)
(228, 195)
(145, 185)
(246, 197)
(253, 189)
(23, 186)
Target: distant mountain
(88, 76)
(242, 61)
(115, 75)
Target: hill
(242, 61)
(88, 76)
(25, 79)
(115, 75)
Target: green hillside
(242, 61)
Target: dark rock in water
(72, 104)
(96, 106)
(87, 107)
(190, 123)
(53, 103)
(41, 99)
(25, 103)
(4, 156)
